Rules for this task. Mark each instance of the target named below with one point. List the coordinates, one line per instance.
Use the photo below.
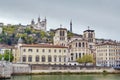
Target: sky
(103, 16)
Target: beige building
(78, 48)
(82, 45)
(108, 54)
(42, 54)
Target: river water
(67, 77)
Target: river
(67, 77)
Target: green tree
(0, 56)
(8, 54)
(86, 59)
(69, 34)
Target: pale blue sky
(101, 15)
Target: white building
(40, 25)
(108, 54)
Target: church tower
(60, 37)
(89, 35)
(71, 26)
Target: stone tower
(89, 35)
(71, 26)
(60, 37)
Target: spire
(71, 26)
(32, 22)
(39, 19)
(60, 25)
(45, 19)
(88, 28)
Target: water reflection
(67, 77)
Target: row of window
(80, 44)
(43, 50)
(43, 58)
(77, 55)
(110, 54)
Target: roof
(6, 46)
(61, 29)
(89, 30)
(20, 40)
(107, 43)
(43, 46)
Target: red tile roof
(43, 46)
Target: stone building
(82, 45)
(78, 45)
(60, 37)
(40, 25)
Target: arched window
(24, 58)
(76, 55)
(29, 58)
(83, 44)
(60, 33)
(76, 44)
(55, 58)
(72, 56)
(37, 58)
(63, 33)
(49, 58)
(79, 44)
(64, 58)
(43, 59)
(59, 58)
(79, 55)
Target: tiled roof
(107, 43)
(43, 46)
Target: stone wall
(5, 69)
(21, 68)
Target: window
(37, 58)
(76, 55)
(29, 50)
(24, 50)
(29, 58)
(55, 58)
(59, 58)
(64, 51)
(49, 50)
(49, 58)
(83, 44)
(79, 44)
(76, 44)
(79, 55)
(64, 58)
(59, 51)
(24, 58)
(37, 50)
(43, 59)
(43, 50)
(55, 50)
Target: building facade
(60, 37)
(40, 25)
(108, 54)
(43, 54)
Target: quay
(8, 69)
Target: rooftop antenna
(88, 28)
(60, 25)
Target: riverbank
(66, 72)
